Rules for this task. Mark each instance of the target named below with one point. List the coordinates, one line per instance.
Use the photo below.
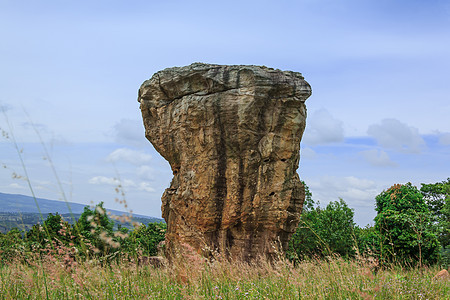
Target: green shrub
(322, 232)
(96, 231)
(12, 246)
(147, 238)
(54, 228)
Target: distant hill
(21, 211)
(24, 204)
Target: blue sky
(379, 113)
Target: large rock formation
(232, 137)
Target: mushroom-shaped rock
(232, 137)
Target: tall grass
(198, 279)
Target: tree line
(411, 228)
(93, 235)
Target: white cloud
(145, 186)
(145, 173)
(323, 128)
(126, 183)
(130, 132)
(394, 134)
(43, 185)
(444, 139)
(307, 153)
(377, 158)
(358, 193)
(103, 180)
(112, 181)
(16, 186)
(131, 156)
(355, 191)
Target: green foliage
(54, 228)
(92, 235)
(91, 222)
(309, 203)
(367, 240)
(146, 238)
(404, 224)
(36, 237)
(437, 197)
(11, 245)
(337, 227)
(323, 232)
(96, 229)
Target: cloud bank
(128, 155)
(323, 128)
(396, 135)
(377, 158)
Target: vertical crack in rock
(232, 137)
(221, 179)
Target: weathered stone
(232, 137)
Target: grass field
(192, 278)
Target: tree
(437, 197)
(36, 237)
(147, 238)
(54, 227)
(445, 236)
(305, 242)
(404, 223)
(338, 227)
(322, 232)
(11, 245)
(309, 203)
(367, 240)
(95, 226)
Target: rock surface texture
(232, 137)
